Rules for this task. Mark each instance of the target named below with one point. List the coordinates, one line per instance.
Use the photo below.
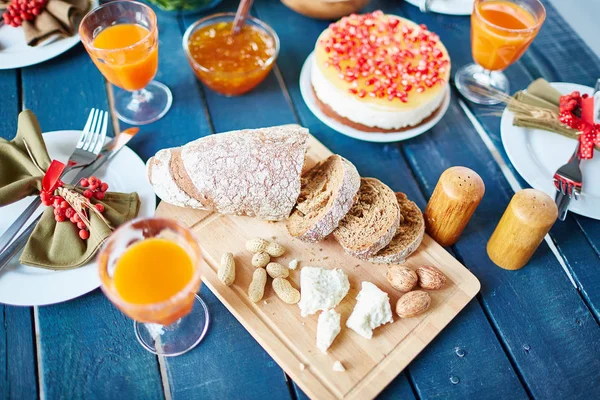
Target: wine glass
(121, 37)
(501, 31)
(150, 269)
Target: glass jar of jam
(230, 65)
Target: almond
(402, 278)
(412, 304)
(431, 278)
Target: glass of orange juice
(150, 270)
(501, 31)
(121, 37)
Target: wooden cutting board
(289, 338)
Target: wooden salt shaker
(454, 200)
(527, 219)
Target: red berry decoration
(84, 234)
(69, 212)
(84, 182)
(94, 186)
(99, 207)
(589, 134)
(93, 180)
(99, 195)
(22, 10)
(104, 186)
(88, 193)
(81, 225)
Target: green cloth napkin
(54, 245)
(19, 176)
(543, 96)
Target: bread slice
(326, 195)
(252, 172)
(371, 222)
(408, 237)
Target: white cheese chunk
(372, 309)
(338, 367)
(328, 328)
(321, 289)
(293, 264)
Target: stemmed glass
(501, 31)
(121, 37)
(169, 327)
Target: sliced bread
(326, 195)
(372, 221)
(252, 172)
(408, 237)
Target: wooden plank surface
(290, 339)
(484, 371)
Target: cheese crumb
(328, 327)
(302, 367)
(265, 302)
(338, 367)
(293, 264)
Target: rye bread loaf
(252, 172)
(327, 193)
(371, 222)
(408, 237)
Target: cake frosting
(380, 71)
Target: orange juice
(152, 271)
(132, 57)
(501, 31)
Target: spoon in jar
(240, 16)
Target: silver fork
(425, 5)
(568, 182)
(88, 147)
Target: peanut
(260, 260)
(275, 249)
(276, 270)
(256, 290)
(256, 245)
(226, 272)
(285, 291)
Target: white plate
(537, 154)
(450, 7)
(28, 286)
(383, 137)
(14, 52)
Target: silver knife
(107, 153)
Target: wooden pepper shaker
(527, 219)
(454, 200)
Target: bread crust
(344, 199)
(251, 172)
(400, 257)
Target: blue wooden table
(530, 333)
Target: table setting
(354, 199)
